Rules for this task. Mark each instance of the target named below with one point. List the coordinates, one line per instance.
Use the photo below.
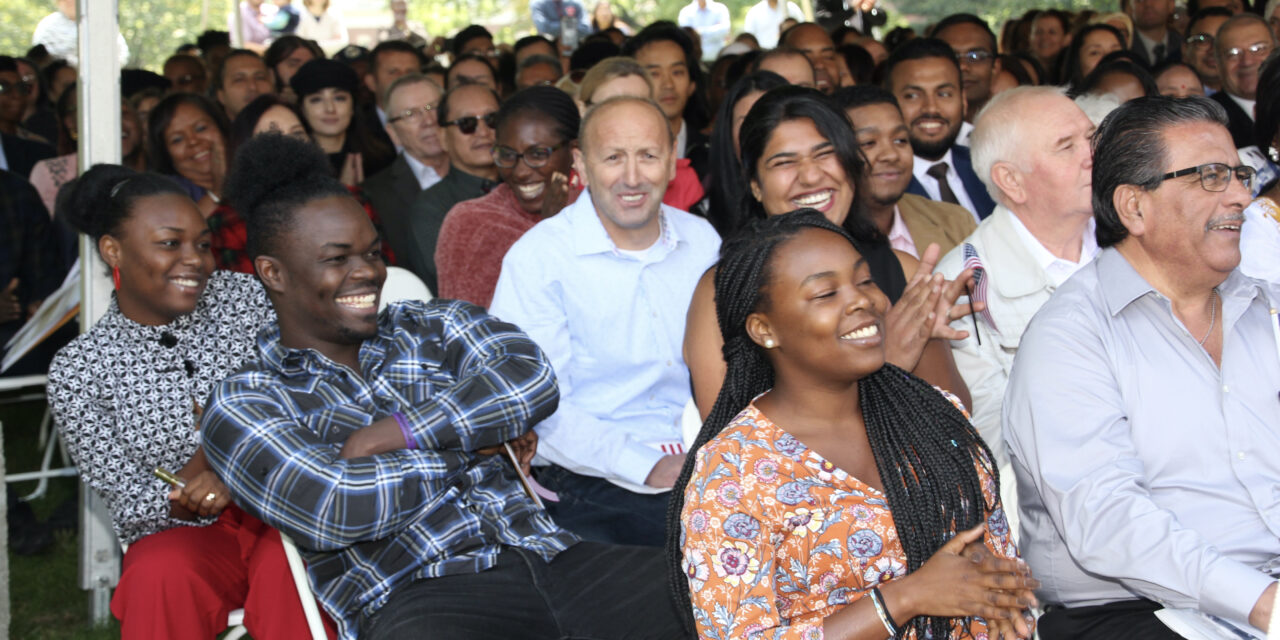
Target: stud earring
(1274, 154)
(769, 343)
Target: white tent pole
(98, 119)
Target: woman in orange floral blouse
(847, 498)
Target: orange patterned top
(776, 538)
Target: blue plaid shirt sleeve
(291, 479)
(504, 384)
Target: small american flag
(972, 261)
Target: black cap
(319, 74)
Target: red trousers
(182, 583)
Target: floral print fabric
(776, 538)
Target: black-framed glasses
(976, 56)
(1259, 48)
(1216, 176)
(534, 157)
(1200, 40)
(414, 115)
(467, 124)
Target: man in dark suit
(411, 103)
(1154, 42)
(388, 61)
(22, 155)
(924, 75)
(1243, 43)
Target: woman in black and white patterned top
(126, 398)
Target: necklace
(1213, 314)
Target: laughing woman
(830, 494)
(125, 397)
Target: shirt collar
(1044, 258)
(1121, 284)
(1246, 104)
(590, 236)
(425, 174)
(920, 168)
(900, 236)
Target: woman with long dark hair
(1088, 46)
(187, 141)
(830, 494)
(126, 398)
(725, 185)
(799, 152)
(327, 98)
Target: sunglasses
(467, 124)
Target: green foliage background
(153, 28)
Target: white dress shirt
(921, 171)
(1245, 103)
(425, 174)
(1144, 469)
(60, 36)
(613, 327)
(1056, 269)
(711, 23)
(764, 22)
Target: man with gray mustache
(1142, 408)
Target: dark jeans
(599, 510)
(590, 591)
(1125, 620)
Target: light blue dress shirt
(612, 324)
(1143, 469)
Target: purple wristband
(409, 442)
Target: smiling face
(929, 92)
(970, 39)
(1192, 233)
(799, 168)
(882, 136)
(191, 138)
(326, 280)
(1240, 72)
(524, 133)
(626, 161)
(672, 85)
(162, 251)
(1201, 54)
(329, 111)
(816, 45)
(1047, 36)
(822, 310)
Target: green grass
(45, 598)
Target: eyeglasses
(414, 115)
(20, 88)
(1260, 48)
(977, 56)
(1216, 176)
(534, 157)
(1200, 40)
(467, 124)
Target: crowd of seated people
(788, 343)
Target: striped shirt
(463, 380)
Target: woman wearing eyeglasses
(536, 130)
(326, 93)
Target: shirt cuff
(1231, 589)
(635, 461)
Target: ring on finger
(210, 497)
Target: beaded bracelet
(882, 610)
(409, 442)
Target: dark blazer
(1172, 49)
(392, 192)
(1239, 123)
(972, 185)
(373, 126)
(22, 155)
(697, 149)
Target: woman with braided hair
(798, 151)
(824, 474)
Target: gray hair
(999, 131)
(1130, 148)
(404, 81)
(1238, 20)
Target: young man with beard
(911, 222)
(924, 75)
(374, 440)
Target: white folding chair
(235, 619)
(402, 284)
